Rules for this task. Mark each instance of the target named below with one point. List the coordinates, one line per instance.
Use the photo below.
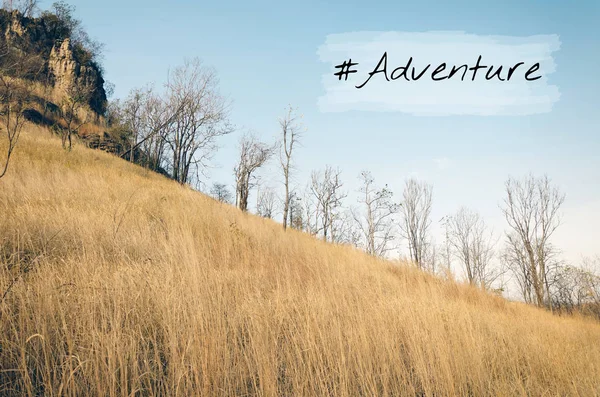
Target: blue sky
(266, 56)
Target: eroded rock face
(63, 67)
(67, 71)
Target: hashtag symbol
(345, 69)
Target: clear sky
(265, 53)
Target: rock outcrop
(64, 65)
(67, 71)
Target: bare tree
(221, 193)
(515, 260)
(291, 133)
(29, 7)
(154, 118)
(74, 111)
(266, 202)
(201, 116)
(473, 245)
(253, 154)
(26, 7)
(432, 257)
(310, 210)
(135, 115)
(296, 213)
(326, 189)
(158, 115)
(16, 67)
(150, 129)
(531, 209)
(578, 287)
(445, 252)
(575, 287)
(415, 213)
(183, 124)
(375, 221)
(342, 229)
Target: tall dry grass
(129, 284)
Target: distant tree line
(176, 132)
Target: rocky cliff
(65, 63)
(66, 71)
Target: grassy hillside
(129, 284)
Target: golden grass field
(129, 284)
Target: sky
(266, 56)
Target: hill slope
(128, 283)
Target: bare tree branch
(253, 154)
(291, 131)
(220, 192)
(374, 220)
(531, 209)
(415, 211)
(326, 189)
(74, 110)
(473, 245)
(16, 68)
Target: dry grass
(129, 284)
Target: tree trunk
(286, 205)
